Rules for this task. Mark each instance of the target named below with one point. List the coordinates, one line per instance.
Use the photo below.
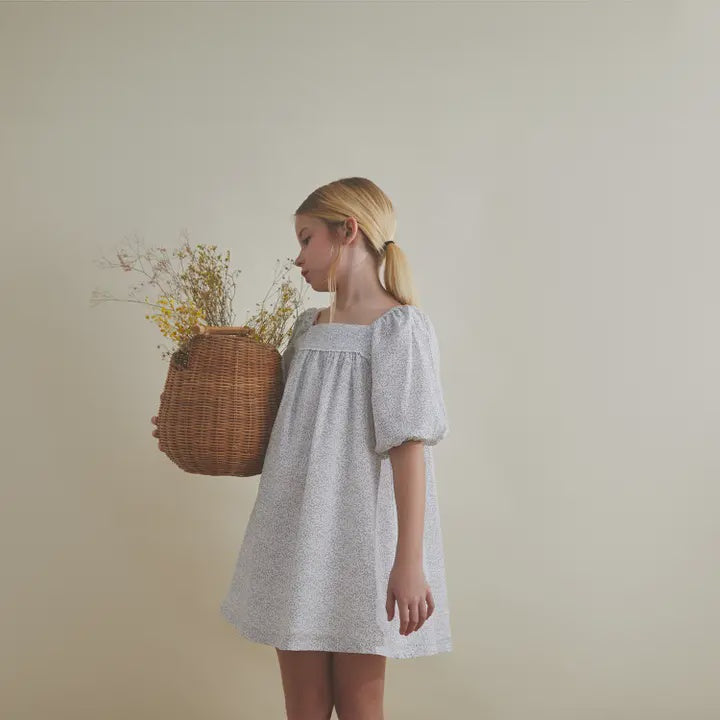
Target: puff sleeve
(406, 393)
(303, 321)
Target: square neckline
(361, 325)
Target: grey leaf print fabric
(302, 322)
(407, 398)
(313, 567)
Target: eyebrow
(301, 229)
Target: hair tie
(387, 243)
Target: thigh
(307, 683)
(358, 685)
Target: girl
(346, 522)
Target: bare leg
(307, 683)
(358, 681)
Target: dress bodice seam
(335, 350)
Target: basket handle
(222, 330)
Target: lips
(304, 273)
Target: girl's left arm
(407, 585)
(408, 465)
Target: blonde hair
(362, 199)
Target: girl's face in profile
(316, 251)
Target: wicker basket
(219, 403)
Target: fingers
(422, 613)
(413, 613)
(413, 616)
(404, 611)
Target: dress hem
(329, 643)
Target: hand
(155, 432)
(407, 586)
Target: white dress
(313, 569)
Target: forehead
(304, 221)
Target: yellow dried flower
(200, 293)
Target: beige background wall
(554, 169)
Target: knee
(368, 707)
(311, 715)
(310, 709)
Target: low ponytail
(397, 277)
